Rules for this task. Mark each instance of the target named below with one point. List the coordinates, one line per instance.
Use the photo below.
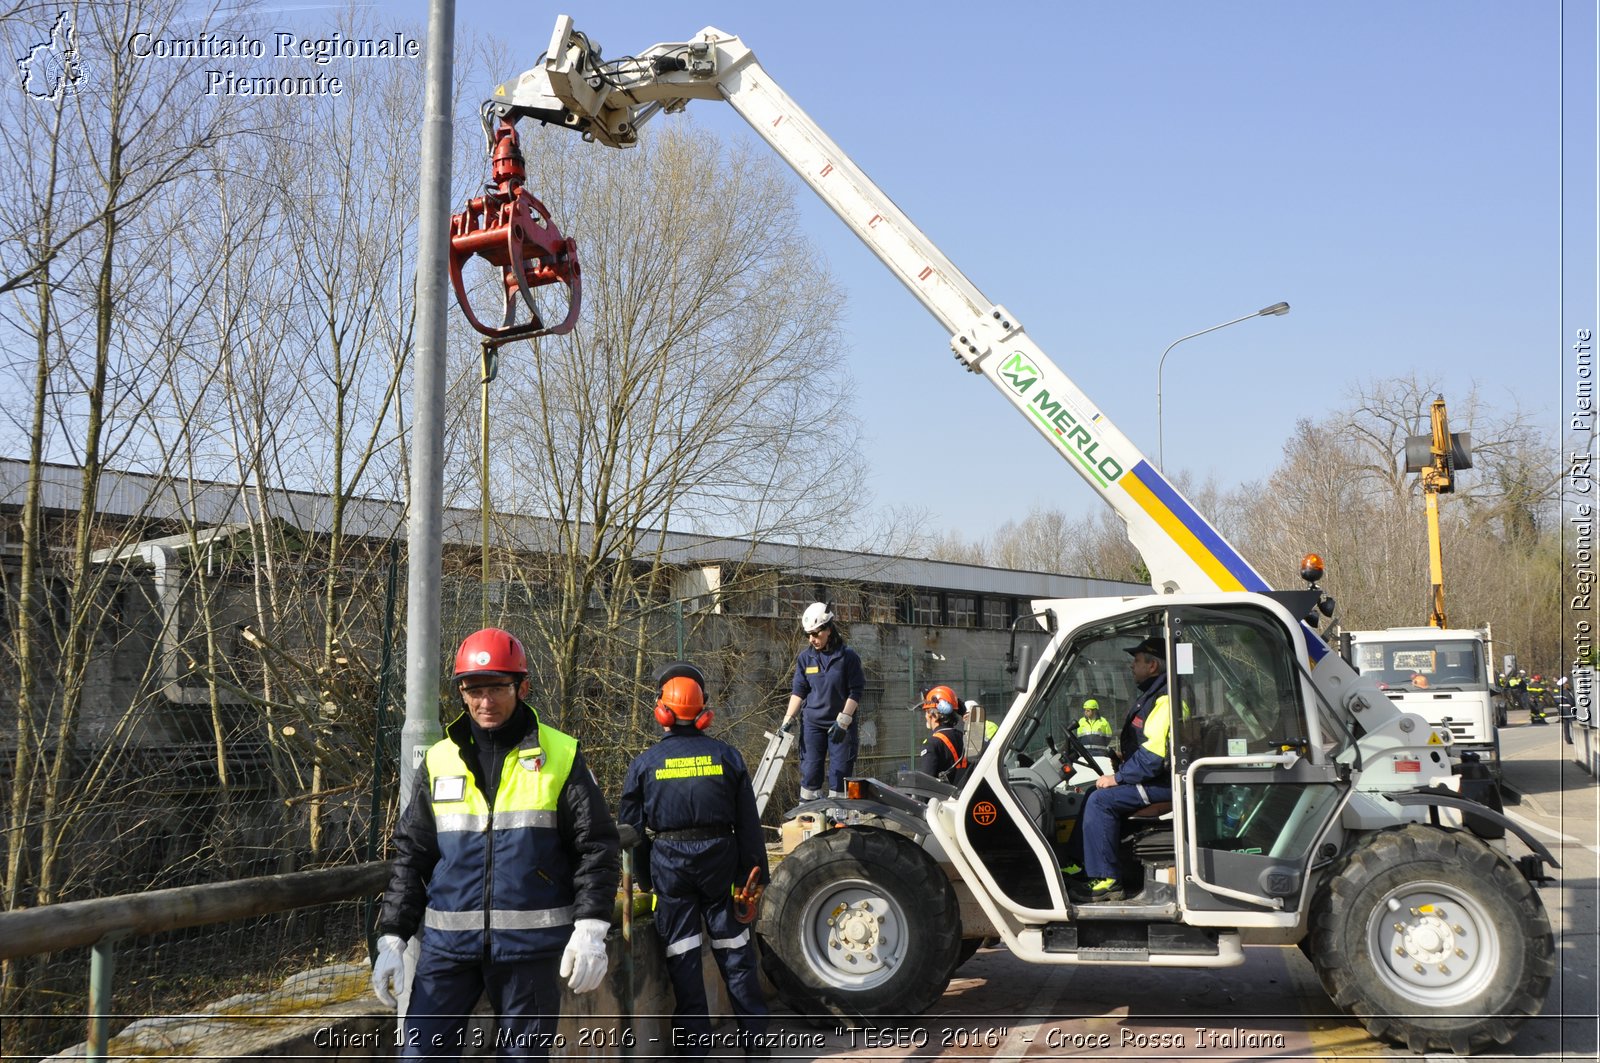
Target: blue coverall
(1143, 779)
(690, 797)
(824, 680)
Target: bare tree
(1341, 490)
(90, 173)
(703, 392)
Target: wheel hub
(1431, 943)
(857, 934)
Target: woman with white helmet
(828, 682)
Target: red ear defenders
(683, 697)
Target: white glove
(389, 970)
(583, 965)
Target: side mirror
(1024, 668)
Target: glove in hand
(583, 964)
(787, 726)
(389, 970)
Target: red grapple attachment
(511, 229)
(747, 898)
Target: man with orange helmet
(944, 755)
(691, 800)
(506, 860)
(825, 696)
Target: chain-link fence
(286, 759)
(147, 769)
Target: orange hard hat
(942, 701)
(683, 696)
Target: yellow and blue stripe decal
(1189, 530)
(1200, 541)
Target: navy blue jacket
(1146, 749)
(689, 780)
(568, 857)
(825, 679)
(937, 758)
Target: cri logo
(984, 813)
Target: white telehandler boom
(1306, 807)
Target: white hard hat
(815, 618)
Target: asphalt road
(1272, 1005)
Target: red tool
(512, 230)
(747, 898)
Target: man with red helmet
(944, 755)
(507, 861)
(691, 800)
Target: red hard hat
(490, 652)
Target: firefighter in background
(691, 800)
(1566, 707)
(1538, 700)
(1517, 689)
(506, 860)
(944, 754)
(825, 696)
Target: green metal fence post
(627, 1034)
(380, 737)
(911, 684)
(102, 969)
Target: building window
(961, 610)
(925, 609)
(880, 607)
(846, 605)
(998, 613)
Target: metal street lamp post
(1275, 310)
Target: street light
(1275, 310)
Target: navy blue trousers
(694, 882)
(526, 996)
(1096, 838)
(815, 748)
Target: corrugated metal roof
(207, 503)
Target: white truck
(1442, 675)
(1308, 808)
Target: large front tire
(859, 923)
(1432, 940)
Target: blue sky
(1119, 175)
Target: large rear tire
(1432, 940)
(859, 923)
